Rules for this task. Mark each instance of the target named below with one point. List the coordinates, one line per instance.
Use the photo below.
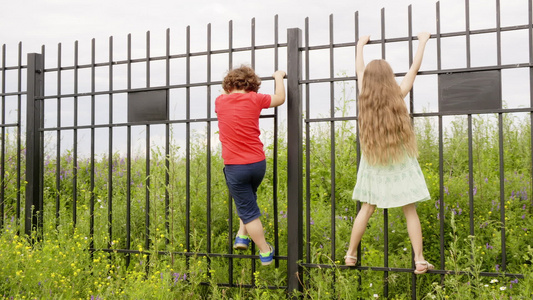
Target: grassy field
(61, 266)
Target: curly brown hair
(242, 78)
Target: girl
(238, 111)
(389, 174)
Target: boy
(238, 111)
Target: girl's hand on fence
(279, 74)
(363, 40)
(423, 36)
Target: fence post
(34, 121)
(294, 160)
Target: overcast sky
(49, 22)
(38, 22)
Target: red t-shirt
(238, 126)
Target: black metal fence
(13, 124)
(483, 101)
(62, 180)
(56, 172)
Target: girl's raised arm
(359, 62)
(409, 79)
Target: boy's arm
(359, 62)
(409, 79)
(279, 89)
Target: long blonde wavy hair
(385, 128)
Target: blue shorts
(243, 181)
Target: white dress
(393, 185)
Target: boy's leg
(415, 232)
(243, 181)
(359, 227)
(255, 227)
(242, 228)
(255, 230)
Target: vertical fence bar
(502, 191)
(167, 142)
(530, 18)
(332, 136)
(3, 134)
(467, 32)
(252, 40)
(34, 107)
(358, 145)
(499, 34)
(469, 116)
(294, 158)
(307, 149)
(411, 110)
(230, 45)
(58, 134)
(208, 134)
(470, 129)
(410, 43)
(275, 154)
(500, 143)
(252, 29)
(19, 130)
(40, 219)
(147, 157)
(128, 163)
(128, 193)
(147, 191)
(385, 211)
(230, 241)
(230, 201)
(470, 176)
(75, 139)
(110, 150)
(41, 150)
(188, 143)
(93, 117)
(441, 151)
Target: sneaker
(267, 258)
(241, 242)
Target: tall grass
(61, 266)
